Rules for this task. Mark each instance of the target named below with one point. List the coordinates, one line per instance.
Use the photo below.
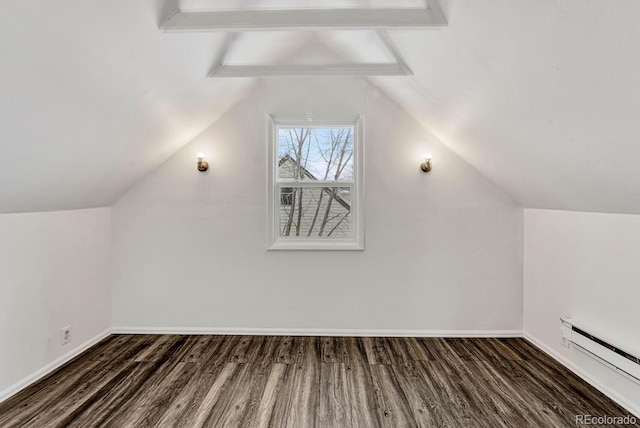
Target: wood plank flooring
(258, 381)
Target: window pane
(315, 154)
(315, 211)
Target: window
(315, 186)
(286, 196)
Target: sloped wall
(584, 266)
(443, 250)
(54, 270)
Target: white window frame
(277, 242)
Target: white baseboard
(34, 377)
(632, 407)
(316, 332)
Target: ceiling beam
(393, 50)
(306, 70)
(307, 19)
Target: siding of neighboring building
(338, 219)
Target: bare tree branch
(307, 149)
(339, 223)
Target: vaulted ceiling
(541, 96)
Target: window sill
(315, 246)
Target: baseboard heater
(586, 339)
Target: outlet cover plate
(66, 335)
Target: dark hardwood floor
(255, 381)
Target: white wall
(584, 266)
(443, 250)
(53, 272)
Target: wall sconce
(426, 165)
(202, 165)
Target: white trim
(222, 52)
(356, 240)
(309, 70)
(306, 19)
(282, 182)
(222, 70)
(393, 50)
(271, 174)
(316, 245)
(250, 331)
(359, 173)
(57, 363)
(584, 375)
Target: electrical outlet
(66, 335)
